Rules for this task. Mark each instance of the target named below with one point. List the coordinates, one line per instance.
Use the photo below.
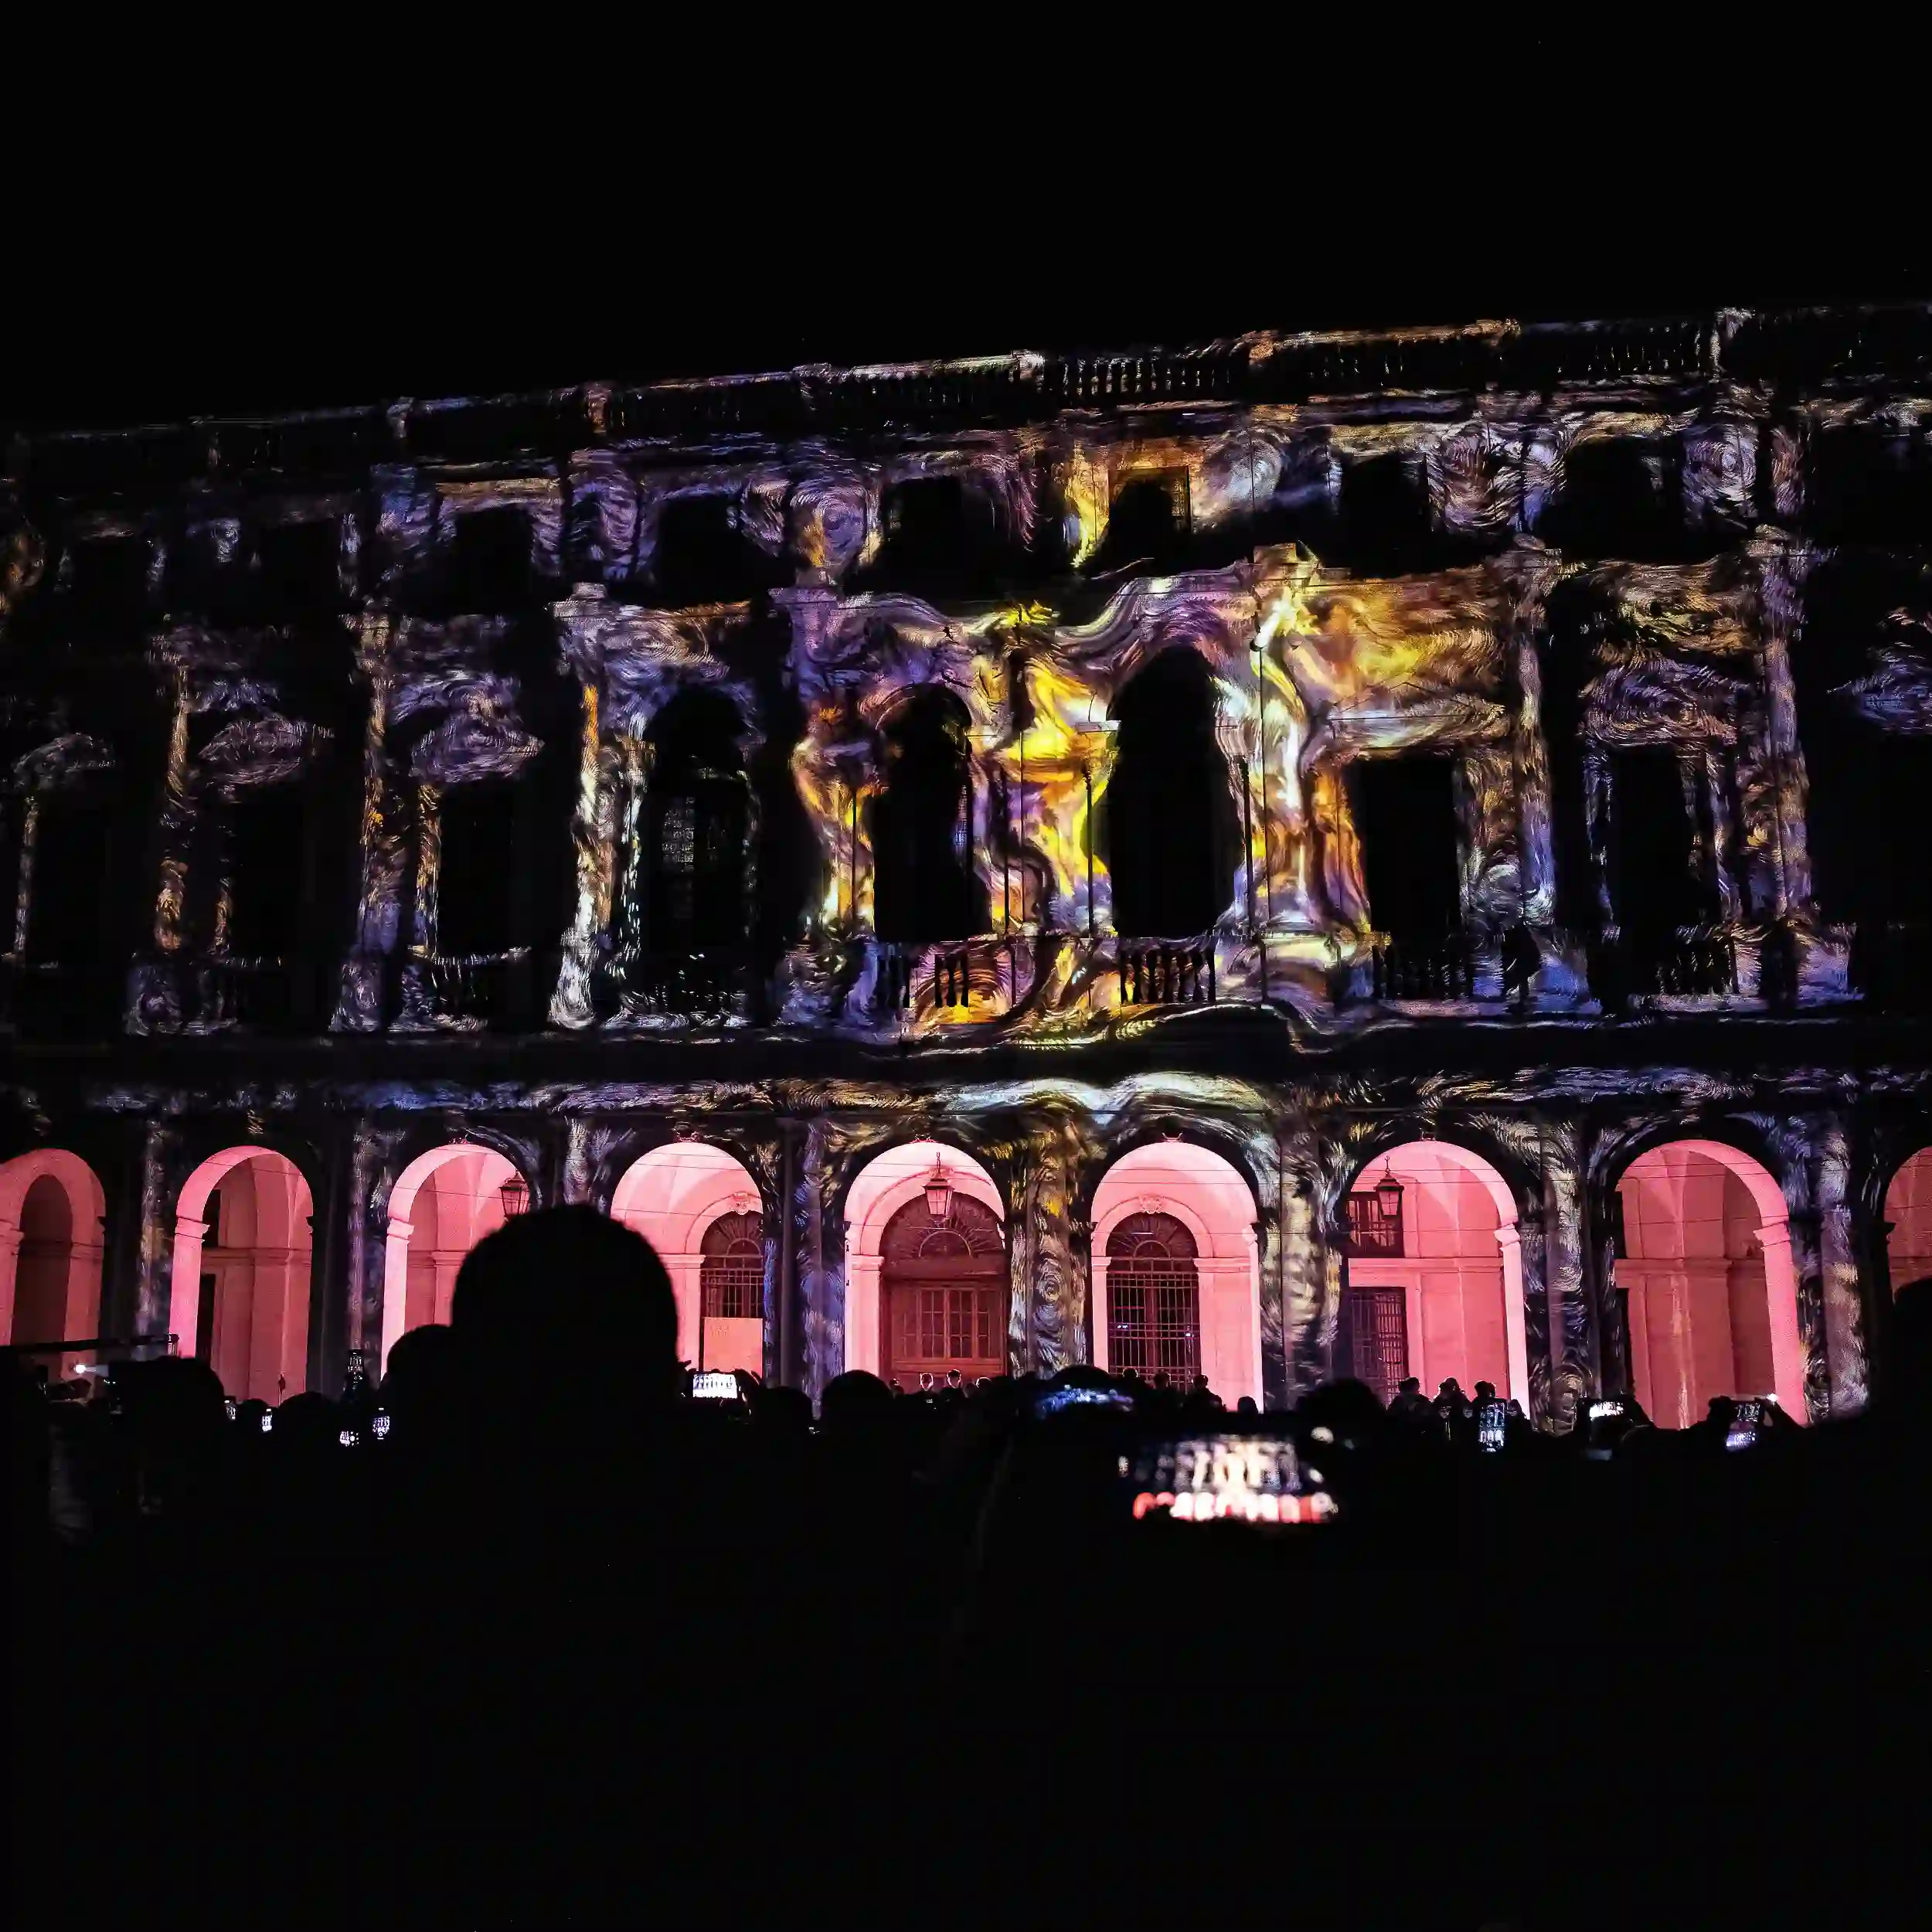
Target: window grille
(1153, 1300)
(1371, 1232)
(731, 1274)
(1379, 1328)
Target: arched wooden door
(944, 1306)
(1153, 1300)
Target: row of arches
(1432, 1281)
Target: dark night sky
(298, 296)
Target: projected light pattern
(1626, 629)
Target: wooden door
(945, 1300)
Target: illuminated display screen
(1245, 1478)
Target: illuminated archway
(891, 1180)
(1908, 1214)
(1213, 1205)
(51, 1205)
(1708, 1315)
(700, 1208)
(1434, 1291)
(239, 1285)
(443, 1203)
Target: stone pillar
(154, 1265)
(576, 1184)
(591, 833)
(819, 1235)
(1575, 1357)
(1842, 1303)
(359, 1009)
(1048, 1326)
(1529, 572)
(1781, 610)
(331, 1241)
(367, 1239)
(1292, 1278)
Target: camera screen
(1491, 1419)
(714, 1385)
(1746, 1415)
(1227, 1477)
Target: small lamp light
(515, 1194)
(1389, 1192)
(939, 1192)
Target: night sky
(308, 296)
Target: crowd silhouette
(526, 1634)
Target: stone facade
(567, 774)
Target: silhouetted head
(1247, 1409)
(854, 1402)
(564, 1272)
(419, 1384)
(784, 1412)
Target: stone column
(359, 1009)
(154, 989)
(332, 1243)
(1048, 1327)
(1780, 612)
(1842, 1307)
(819, 1236)
(1576, 1362)
(1292, 1278)
(592, 828)
(155, 1218)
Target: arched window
(1153, 1300)
(1172, 840)
(731, 1278)
(924, 886)
(946, 1287)
(687, 833)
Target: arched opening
(1703, 1260)
(924, 886)
(240, 1284)
(913, 1276)
(443, 1204)
(1172, 836)
(51, 1205)
(1174, 1230)
(1908, 1218)
(700, 1210)
(1433, 1280)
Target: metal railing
(694, 984)
(896, 982)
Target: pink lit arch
(51, 1205)
(1908, 1208)
(255, 1333)
(1708, 1318)
(886, 1184)
(671, 1197)
(1209, 1197)
(443, 1203)
(1461, 1271)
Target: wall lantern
(1389, 1192)
(939, 1192)
(515, 1194)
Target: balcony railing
(1891, 964)
(898, 983)
(1162, 975)
(268, 995)
(639, 985)
(1407, 968)
(485, 989)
